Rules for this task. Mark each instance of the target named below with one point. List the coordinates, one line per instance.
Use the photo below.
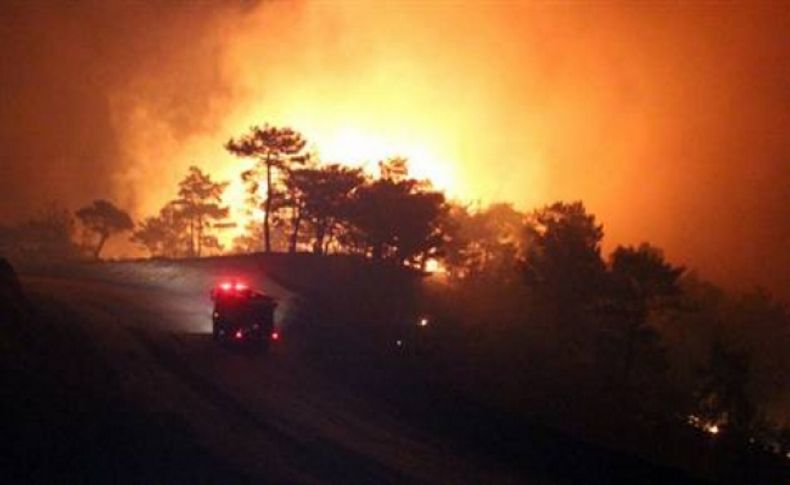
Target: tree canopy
(562, 255)
(199, 200)
(104, 219)
(321, 195)
(398, 218)
(165, 234)
(184, 225)
(273, 149)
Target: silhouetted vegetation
(184, 225)
(395, 217)
(482, 243)
(199, 203)
(48, 236)
(330, 207)
(624, 342)
(164, 234)
(640, 282)
(272, 149)
(537, 318)
(529, 292)
(321, 198)
(103, 219)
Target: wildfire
(360, 147)
(350, 145)
(354, 106)
(333, 140)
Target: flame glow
(355, 105)
(631, 109)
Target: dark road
(282, 415)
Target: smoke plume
(669, 121)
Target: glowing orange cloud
(655, 116)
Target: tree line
(297, 203)
(629, 331)
(639, 326)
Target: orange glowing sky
(669, 120)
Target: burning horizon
(669, 122)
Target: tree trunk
(329, 236)
(268, 205)
(297, 221)
(320, 232)
(199, 235)
(191, 237)
(102, 240)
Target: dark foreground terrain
(109, 375)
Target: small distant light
(434, 266)
(226, 286)
(275, 336)
(240, 287)
(216, 314)
(423, 322)
(239, 334)
(399, 343)
(712, 429)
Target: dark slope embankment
(63, 419)
(342, 310)
(355, 310)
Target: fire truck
(242, 315)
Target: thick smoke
(669, 121)
(77, 76)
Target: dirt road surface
(285, 415)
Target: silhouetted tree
(752, 328)
(455, 225)
(166, 234)
(562, 262)
(484, 242)
(47, 236)
(288, 211)
(757, 327)
(104, 219)
(640, 282)
(322, 196)
(397, 217)
(371, 212)
(419, 234)
(150, 233)
(199, 200)
(563, 253)
(724, 395)
(273, 149)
